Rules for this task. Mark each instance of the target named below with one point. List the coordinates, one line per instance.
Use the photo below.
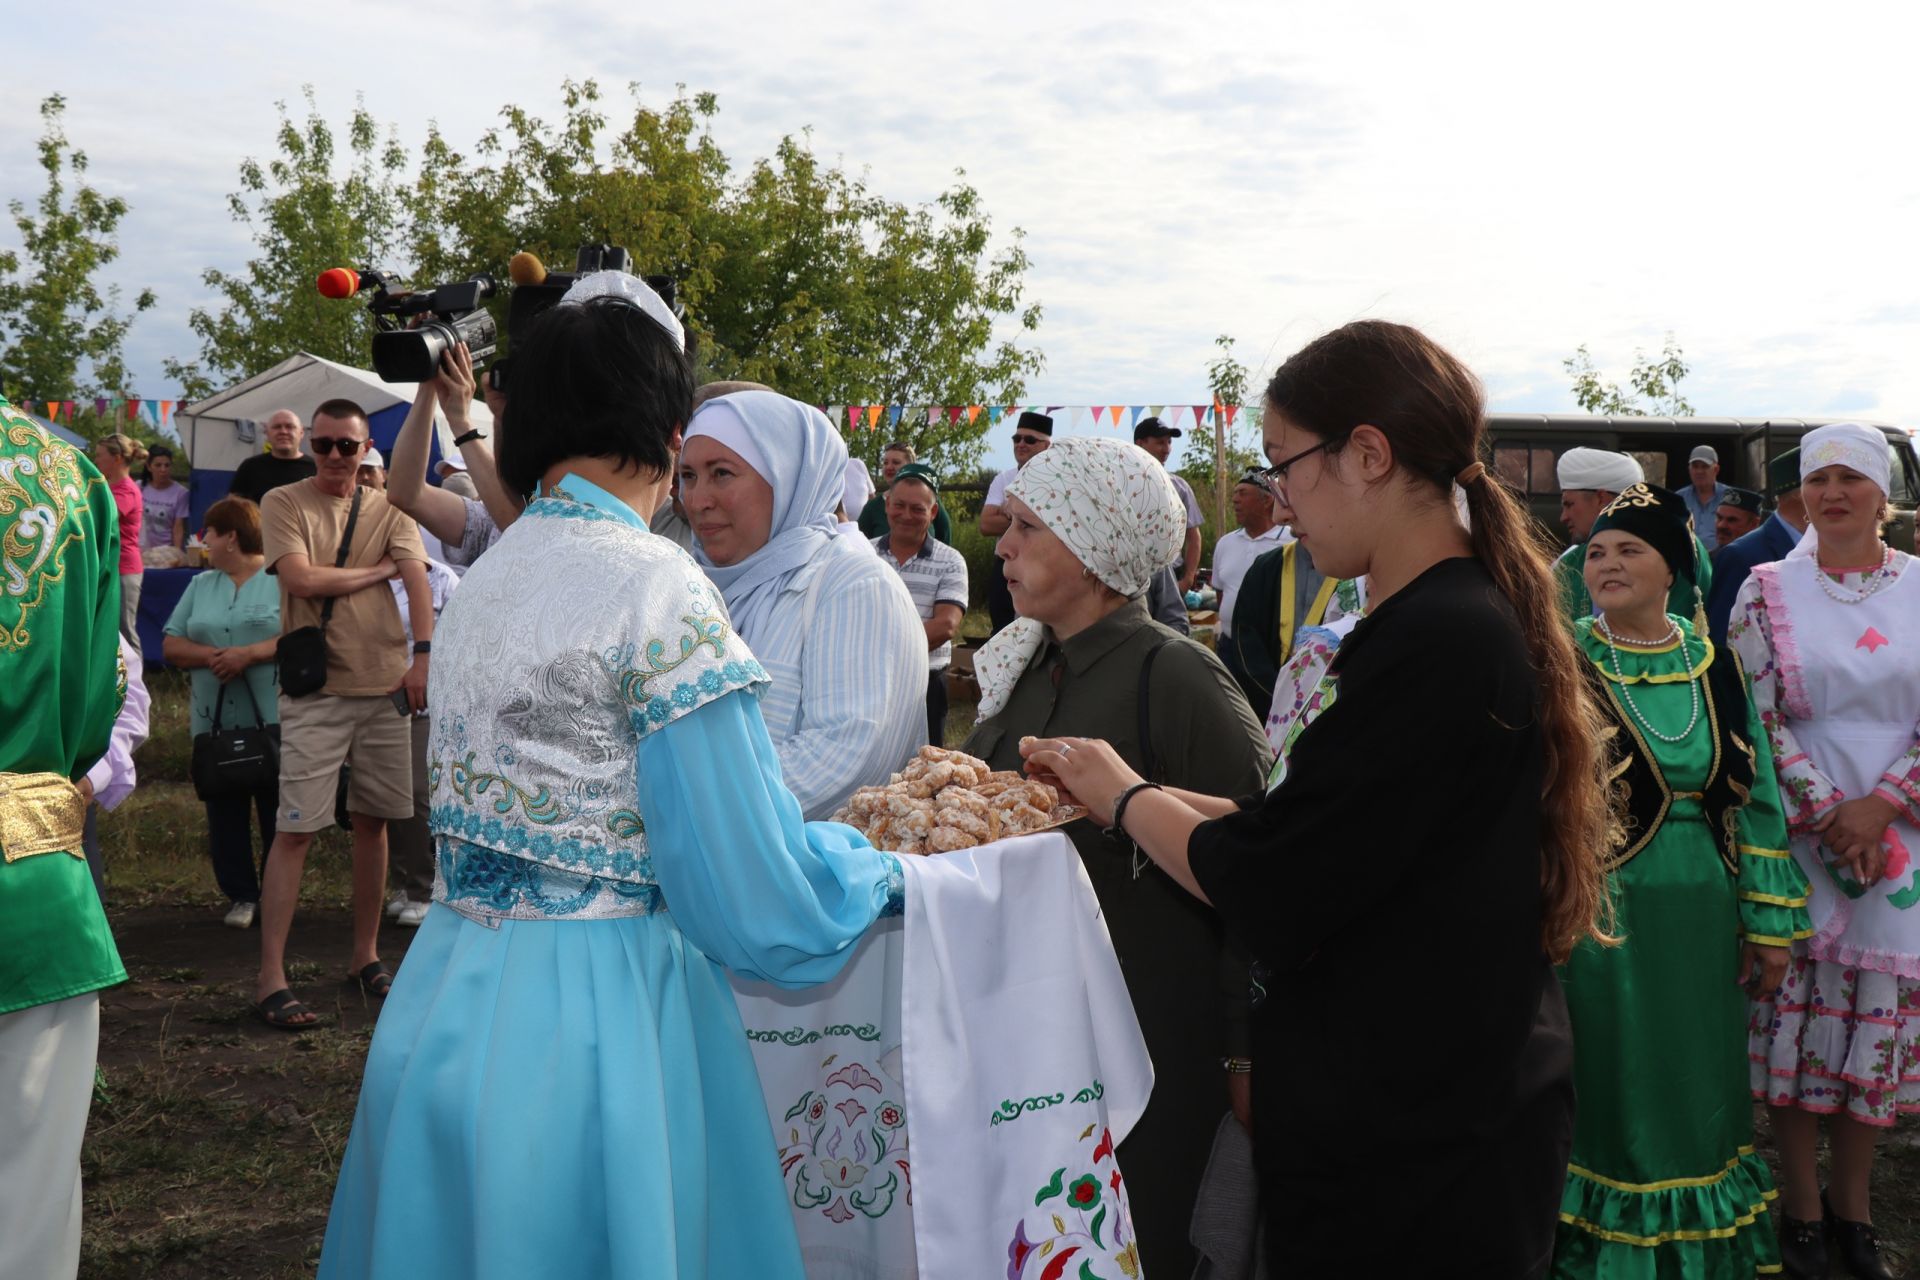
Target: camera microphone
(524, 268)
(339, 282)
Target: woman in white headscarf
(1831, 636)
(761, 477)
(1092, 522)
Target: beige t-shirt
(366, 643)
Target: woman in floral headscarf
(1830, 636)
(1092, 522)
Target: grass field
(214, 1141)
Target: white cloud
(1516, 178)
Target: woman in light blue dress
(559, 1085)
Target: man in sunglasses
(355, 716)
(1031, 436)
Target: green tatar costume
(1664, 1180)
(59, 640)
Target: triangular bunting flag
(853, 417)
(1079, 415)
(1158, 409)
(1098, 411)
(1232, 409)
(973, 414)
(873, 415)
(1199, 415)
(1136, 411)
(133, 410)
(953, 413)
(893, 414)
(994, 414)
(166, 411)
(1118, 409)
(53, 410)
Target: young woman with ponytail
(1434, 843)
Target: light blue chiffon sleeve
(760, 891)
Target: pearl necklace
(1673, 636)
(1870, 581)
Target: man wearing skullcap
(1589, 480)
(1771, 541)
(1739, 513)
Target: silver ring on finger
(1065, 747)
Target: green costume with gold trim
(59, 650)
(1664, 1181)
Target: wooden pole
(1219, 469)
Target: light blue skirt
(568, 1098)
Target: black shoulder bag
(303, 653)
(235, 762)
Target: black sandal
(374, 980)
(281, 1011)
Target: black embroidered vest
(1635, 769)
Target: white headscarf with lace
(1113, 506)
(1843, 444)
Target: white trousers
(47, 1055)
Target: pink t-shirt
(126, 496)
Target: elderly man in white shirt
(1236, 551)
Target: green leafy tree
(792, 272)
(305, 218)
(54, 318)
(1228, 379)
(1653, 385)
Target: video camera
(407, 352)
(412, 354)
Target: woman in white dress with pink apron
(1831, 638)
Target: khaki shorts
(320, 733)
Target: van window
(1904, 492)
(1529, 468)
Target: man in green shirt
(1589, 480)
(59, 634)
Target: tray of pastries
(946, 800)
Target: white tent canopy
(221, 432)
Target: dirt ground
(214, 1140)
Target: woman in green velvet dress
(1664, 1181)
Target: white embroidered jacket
(575, 636)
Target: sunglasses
(324, 445)
(1020, 439)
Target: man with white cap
(1703, 495)
(1589, 480)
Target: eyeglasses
(324, 445)
(1020, 439)
(1276, 475)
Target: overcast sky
(1516, 179)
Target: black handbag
(236, 762)
(303, 652)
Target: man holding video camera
(347, 688)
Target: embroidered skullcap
(1113, 506)
(1658, 518)
(918, 471)
(1602, 469)
(1848, 444)
(1743, 500)
(633, 291)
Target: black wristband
(1118, 830)
(423, 646)
(468, 437)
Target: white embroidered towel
(1024, 1067)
